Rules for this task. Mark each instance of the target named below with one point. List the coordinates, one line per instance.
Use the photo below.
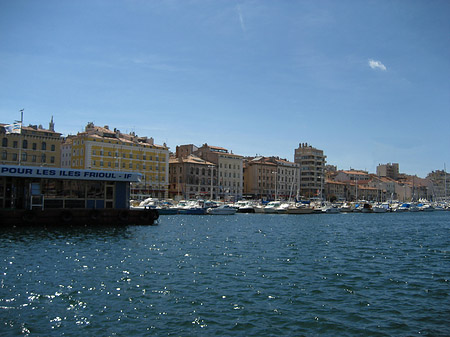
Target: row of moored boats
(201, 207)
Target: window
(44, 146)
(24, 144)
(43, 158)
(33, 158)
(15, 144)
(52, 159)
(4, 155)
(5, 142)
(53, 147)
(24, 156)
(14, 156)
(34, 146)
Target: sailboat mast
(445, 183)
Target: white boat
(272, 206)
(331, 209)
(346, 208)
(259, 209)
(402, 208)
(427, 208)
(244, 206)
(379, 208)
(282, 209)
(222, 210)
(300, 209)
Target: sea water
(240, 275)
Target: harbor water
(240, 275)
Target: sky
(367, 82)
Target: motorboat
(331, 209)
(427, 208)
(222, 210)
(271, 207)
(191, 207)
(299, 209)
(244, 206)
(367, 208)
(346, 208)
(258, 208)
(282, 209)
(379, 208)
(403, 208)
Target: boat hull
(192, 211)
(300, 211)
(78, 217)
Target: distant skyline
(367, 82)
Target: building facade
(99, 148)
(230, 170)
(388, 170)
(191, 177)
(32, 145)
(440, 185)
(271, 178)
(259, 178)
(312, 170)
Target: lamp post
(211, 167)
(276, 183)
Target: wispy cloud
(241, 18)
(377, 65)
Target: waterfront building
(49, 196)
(336, 190)
(230, 169)
(353, 175)
(386, 187)
(388, 170)
(191, 177)
(287, 179)
(99, 148)
(259, 178)
(440, 185)
(30, 145)
(43, 187)
(271, 178)
(312, 170)
(362, 191)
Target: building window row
(34, 146)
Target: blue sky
(368, 82)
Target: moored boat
(221, 210)
(299, 209)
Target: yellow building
(99, 148)
(30, 145)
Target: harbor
(246, 274)
(204, 207)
